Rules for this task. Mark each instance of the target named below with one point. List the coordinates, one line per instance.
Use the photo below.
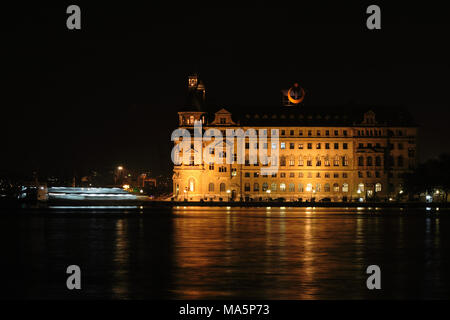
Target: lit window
(345, 187)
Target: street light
(120, 168)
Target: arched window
(336, 161)
(361, 187)
(300, 187)
(191, 184)
(369, 161)
(327, 187)
(378, 187)
(400, 161)
(360, 161)
(292, 161)
(291, 187)
(327, 161)
(335, 187)
(345, 161)
(282, 186)
(211, 187)
(273, 187)
(318, 161)
(265, 186)
(377, 161)
(222, 187)
(256, 186)
(345, 187)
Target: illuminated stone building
(340, 153)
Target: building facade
(340, 153)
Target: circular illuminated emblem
(296, 94)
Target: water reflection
(241, 253)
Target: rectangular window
(283, 132)
(327, 133)
(345, 133)
(300, 132)
(283, 175)
(283, 145)
(318, 146)
(300, 145)
(344, 175)
(247, 174)
(327, 146)
(345, 146)
(309, 133)
(291, 132)
(309, 145)
(291, 145)
(336, 132)
(336, 146)
(318, 133)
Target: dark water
(220, 253)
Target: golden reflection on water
(121, 261)
(277, 253)
(260, 250)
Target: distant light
(359, 191)
(228, 191)
(401, 191)
(142, 191)
(390, 199)
(268, 191)
(437, 191)
(428, 197)
(126, 186)
(361, 199)
(119, 168)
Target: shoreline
(14, 204)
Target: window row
(292, 187)
(299, 175)
(310, 133)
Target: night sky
(108, 94)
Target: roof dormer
(223, 118)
